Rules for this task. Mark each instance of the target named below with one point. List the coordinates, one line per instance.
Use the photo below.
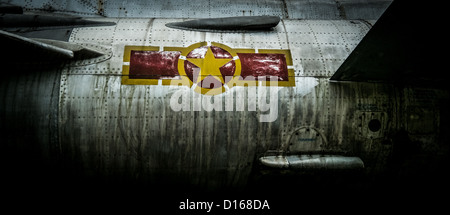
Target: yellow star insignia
(209, 66)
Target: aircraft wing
(398, 49)
(54, 48)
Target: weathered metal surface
(74, 128)
(123, 130)
(318, 9)
(128, 129)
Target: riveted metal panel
(292, 9)
(320, 47)
(322, 9)
(360, 9)
(100, 35)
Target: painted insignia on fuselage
(209, 67)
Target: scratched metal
(319, 9)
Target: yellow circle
(206, 91)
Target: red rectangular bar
(262, 64)
(154, 64)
